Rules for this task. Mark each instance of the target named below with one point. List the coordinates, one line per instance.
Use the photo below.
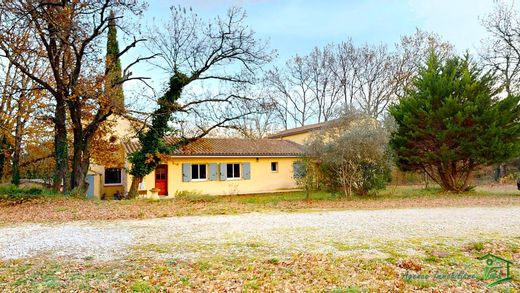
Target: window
(299, 170)
(198, 172)
(233, 171)
(274, 166)
(112, 176)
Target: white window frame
(198, 169)
(233, 171)
(113, 184)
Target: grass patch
(297, 273)
(157, 248)
(193, 196)
(421, 284)
(347, 247)
(14, 194)
(54, 208)
(142, 286)
(275, 198)
(478, 246)
(390, 193)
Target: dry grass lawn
(299, 273)
(356, 269)
(60, 209)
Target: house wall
(110, 190)
(121, 130)
(298, 138)
(101, 190)
(262, 179)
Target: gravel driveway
(268, 233)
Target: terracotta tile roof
(233, 147)
(299, 130)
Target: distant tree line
(62, 81)
(443, 115)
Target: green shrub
(20, 194)
(75, 192)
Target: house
(102, 180)
(212, 166)
(299, 134)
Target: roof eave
(238, 156)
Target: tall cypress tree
(452, 121)
(113, 88)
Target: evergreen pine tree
(452, 121)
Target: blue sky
(296, 26)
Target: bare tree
(222, 54)
(372, 77)
(344, 76)
(325, 84)
(501, 49)
(345, 68)
(259, 124)
(374, 80)
(411, 53)
(290, 88)
(66, 33)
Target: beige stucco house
(213, 166)
(299, 134)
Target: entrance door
(161, 179)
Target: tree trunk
(465, 185)
(81, 158)
(15, 167)
(3, 150)
(77, 180)
(454, 180)
(132, 193)
(80, 169)
(61, 172)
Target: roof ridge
(229, 146)
(301, 129)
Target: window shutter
(223, 171)
(213, 171)
(246, 171)
(186, 172)
(298, 170)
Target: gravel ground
(268, 233)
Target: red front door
(161, 179)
